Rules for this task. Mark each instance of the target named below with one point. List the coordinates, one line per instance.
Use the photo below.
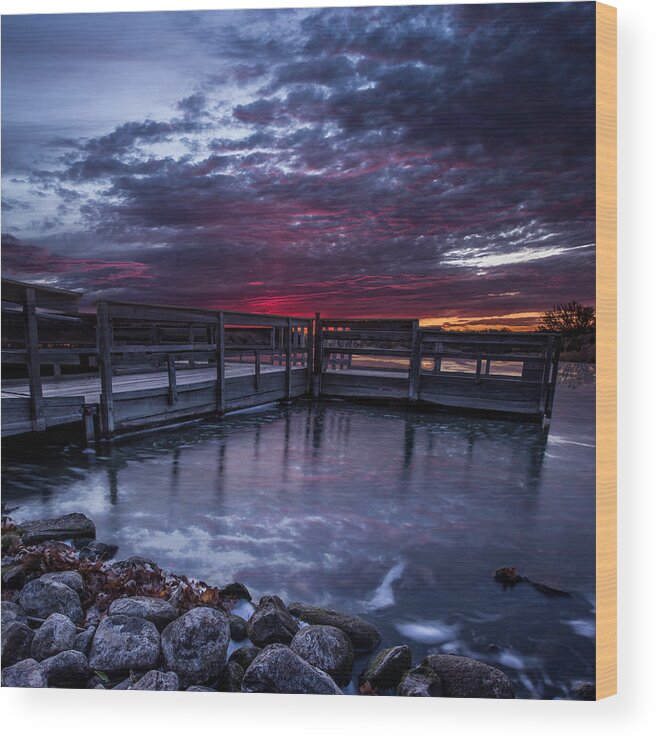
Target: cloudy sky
(431, 161)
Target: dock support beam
(37, 406)
(317, 357)
(105, 366)
(173, 385)
(220, 365)
(288, 361)
(415, 363)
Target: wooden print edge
(606, 402)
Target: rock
(95, 682)
(157, 681)
(157, 611)
(135, 562)
(237, 627)
(231, 678)
(468, 678)
(585, 691)
(245, 655)
(123, 643)
(234, 591)
(195, 645)
(362, 634)
(70, 578)
(124, 685)
(326, 648)
(271, 623)
(67, 527)
(83, 640)
(279, 670)
(95, 551)
(508, 576)
(41, 598)
(420, 681)
(67, 669)
(550, 589)
(385, 670)
(12, 612)
(201, 688)
(54, 636)
(27, 674)
(13, 577)
(16, 643)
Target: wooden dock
(136, 366)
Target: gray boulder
(157, 681)
(385, 670)
(70, 578)
(16, 641)
(67, 527)
(68, 669)
(13, 577)
(195, 645)
(585, 691)
(245, 655)
(420, 681)
(12, 612)
(279, 670)
(326, 648)
(238, 630)
(95, 551)
(122, 643)
(362, 634)
(201, 688)
(468, 678)
(54, 636)
(27, 674)
(231, 678)
(83, 640)
(157, 611)
(234, 592)
(41, 598)
(271, 623)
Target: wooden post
(220, 365)
(309, 358)
(288, 360)
(258, 369)
(415, 363)
(191, 339)
(37, 406)
(173, 386)
(104, 339)
(554, 378)
(479, 368)
(89, 427)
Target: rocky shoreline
(72, 617)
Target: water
(401, 516)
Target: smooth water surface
(402, 516)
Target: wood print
(308, 351)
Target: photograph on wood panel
(298, 351)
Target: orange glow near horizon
(525, 321)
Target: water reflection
(399, 514)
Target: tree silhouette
(569, 318)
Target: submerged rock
(157, 681)
(17, 640)
(245, 655)
(67, 669)
(363, 635)
(585, 691)
(157, 611)
(231, 678)
(420, 681)
(468, 678)
(67, 527)
(42, 597)
(54, 636)
(279, 670)
(28, 674)
(385, 670)
(70, 578)
(238, 629)
(271, 623)
(326, 648)
(122, 643)
(508, 576)
(195, 645)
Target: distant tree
(569, 318)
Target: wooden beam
(288, 360)
(220, 365)
(414, 373)
(105, 366)
(258, 369)
(37, 412)
(173, 386)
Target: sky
(428, 161)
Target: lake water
(399, 515)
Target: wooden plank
(486, 387)
(372, 324)
(105, 367)
(161, 348)
(367, 336)
(146, 312)
(52, 299)
(173, 386)
(220, 365)
(482, 404)
(32, 347)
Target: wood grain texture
(606, 238)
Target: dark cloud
(430, 161)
